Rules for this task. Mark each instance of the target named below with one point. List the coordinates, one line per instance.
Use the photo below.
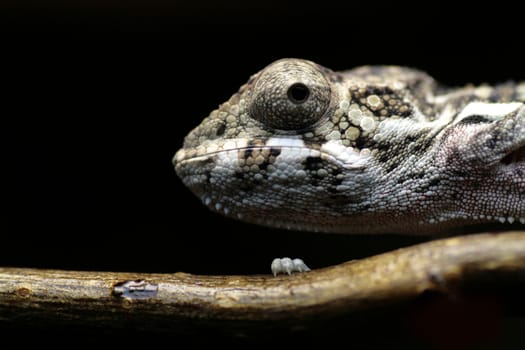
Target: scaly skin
(371, 150)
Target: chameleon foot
(287, 265)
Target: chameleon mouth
(346, 157)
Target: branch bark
(112, 299)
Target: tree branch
(113, 299)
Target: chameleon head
(263, 156)
(373, 149)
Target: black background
(98, 96)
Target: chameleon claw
(289, 266)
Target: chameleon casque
(376, 149)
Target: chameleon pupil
(298, 93)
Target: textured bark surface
(180, 300)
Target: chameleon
(374, 149)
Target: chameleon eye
(290, 94)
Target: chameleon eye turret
(376, 149)
(290, 94)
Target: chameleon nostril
(220, 129)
